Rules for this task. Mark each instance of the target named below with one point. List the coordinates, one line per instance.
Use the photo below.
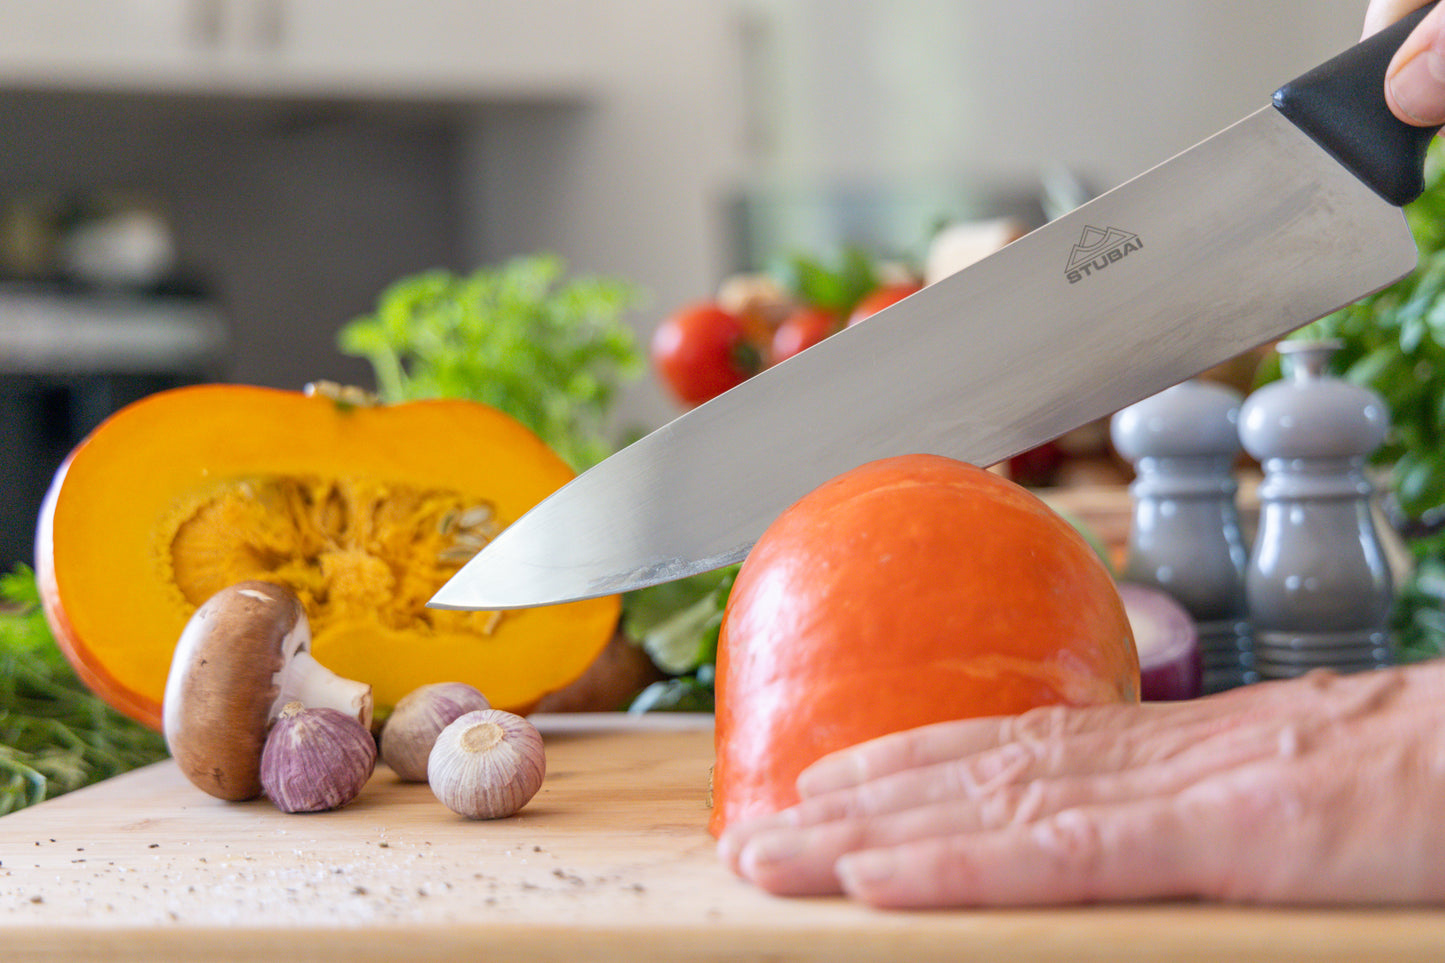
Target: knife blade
(1275, 221)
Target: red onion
(1170, 663)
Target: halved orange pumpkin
(363, 510)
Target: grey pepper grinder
(1184, 533)
(1318, 584)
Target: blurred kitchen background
(208, 189)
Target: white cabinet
(83, 44)
(447, 50)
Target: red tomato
(880, 298)
(701, 351)
(803, 328)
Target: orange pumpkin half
(909, 591)
(363, 510)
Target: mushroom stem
(303, 679)
(241, 657)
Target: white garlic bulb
(487, 764)
(417, 719)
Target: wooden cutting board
(610, 862)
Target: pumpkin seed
(476, 517)
(456, 555)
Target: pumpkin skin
(357, 508)
(909, 591)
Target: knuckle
(1072, 841)
(1039, 724)
(1012, 806)
(870, 799)
(1028, 803)
(1005, 766)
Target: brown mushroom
(241, 658)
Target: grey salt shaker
(1319, 584)
(1184, 533)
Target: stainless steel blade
(1249, 235)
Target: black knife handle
(1341, 106)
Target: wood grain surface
(610, 862)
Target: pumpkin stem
(345, 396)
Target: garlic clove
(487, 764)
(315, 759)
(417, 719)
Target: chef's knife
(1269, 224)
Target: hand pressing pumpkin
(911, 590)
(362, 510)
(1313, 791)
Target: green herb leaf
(677, 622)
(55, 736)
(549, 350)
(683, 694)
(1394, 343)
(836, 287)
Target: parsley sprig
(550, 350)
(55, 736)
